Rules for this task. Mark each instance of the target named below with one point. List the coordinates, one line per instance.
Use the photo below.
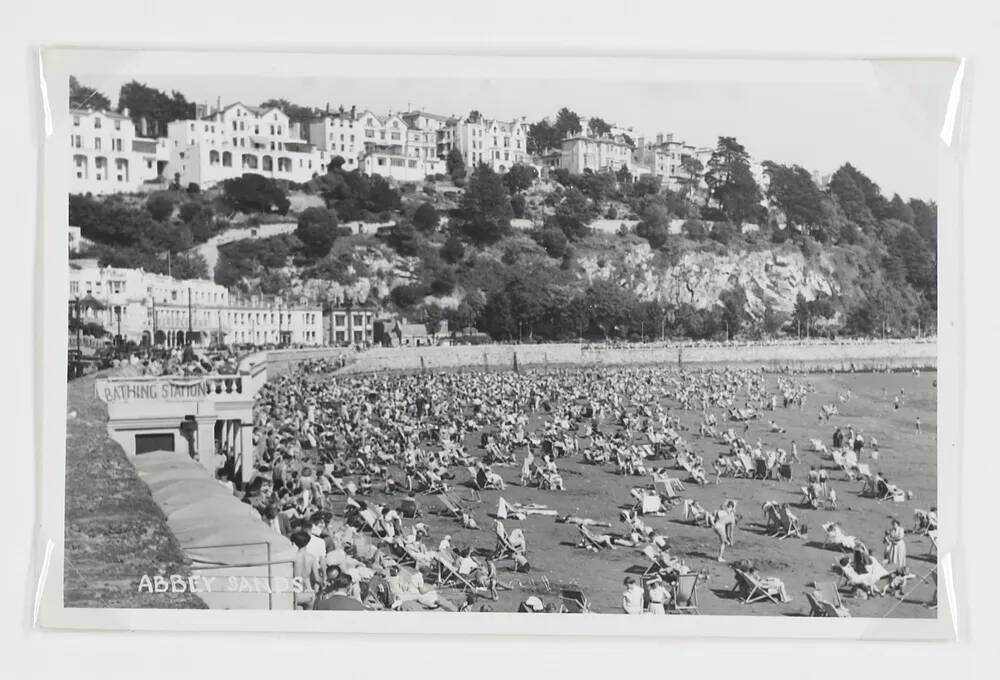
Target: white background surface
(845, 28)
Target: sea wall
(861, 356)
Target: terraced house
(238, 140)
(108, 156)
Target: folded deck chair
(756, 590)
(686, 594)
(575, 601)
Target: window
(412, 164)
(397, 162)
(395, 135)
(192, 127)
(381, 160)
(97, 143)
(76, 121)
(97, 123)
(74, 287)
(369, 133)
(234, 126)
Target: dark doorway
(147, 443)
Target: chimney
(218, 104)
(353, 112)
(341, 110)
(659, 138)
(328, 108)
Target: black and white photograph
(656, 339)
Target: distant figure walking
(918, 425)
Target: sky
(887, 125)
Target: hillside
(596, 255)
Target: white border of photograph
(51, 283)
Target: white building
(238, 140)
(75, 239)
(598, 154)
(498, 143)
(390, 146)
(107, 156)
(148, 308)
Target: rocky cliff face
(769, 277)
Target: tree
(455, 164)
(598, 127)
(425, 217)
(254, 193)
(381, 195)
(654, 225)
(83, 97)
(900, 210)
(693, 170)
(734, 304)
(518, 204)
(574, 213)
(191, 265)
(694, 230)
(485, 212)
(160, 206)
(543, 136)
(153, 109)
(554, 241)
(295, 113)
(567, 123)
(433, 315)
(520, 177)
(452, 250)
(850, 197)
(403, 238)
(317, 230)
(274, 282)
(730, 181)
(443, 282)
(793, 191)
(407, 295)
(925, 218)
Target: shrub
(160, 206)
(426, 218)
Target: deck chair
(656, 565)
(790, 525)
(575, 601)
(828, 595)
(756, 591)
(447, 573)
(746, 466)
(504, 547)
(667, 490)
(868, 481)
(591, 540)
(649, 504)
(816, 608)
(450, 506)
(685, 598)
(372, 522)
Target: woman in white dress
(895, 546)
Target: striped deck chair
(829, 597)
(685, 598)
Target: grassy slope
(115, 533)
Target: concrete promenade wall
(899, 355)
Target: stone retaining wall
(806, 357)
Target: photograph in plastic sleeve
(468, 335)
